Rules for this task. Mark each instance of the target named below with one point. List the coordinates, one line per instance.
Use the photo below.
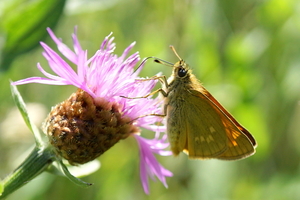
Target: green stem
(36, 163)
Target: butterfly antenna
(175, 52)
(142, 63)
(160, 61)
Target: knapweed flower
(98, 114)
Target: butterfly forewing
(239, 145)
(239, 126)
(206, 136)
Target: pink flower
(149, 165)
(107, 76)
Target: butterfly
(197, 124)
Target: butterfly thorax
(182, 81)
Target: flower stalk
(38, 160)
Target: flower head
(97, 116)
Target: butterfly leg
(160, 90)
(162, 79)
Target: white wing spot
(202, 139)
(212, 130)
(209, 139)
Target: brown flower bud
(82, 128)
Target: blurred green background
(246, 53)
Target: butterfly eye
(181, 72)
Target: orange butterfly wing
(240, 127)
(240, 143)
(199, 139)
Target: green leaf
(24, 24)
(78, 171)
(1, 188)
(72, 178)
(22, 108)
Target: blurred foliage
(23, 24)
(245, 52)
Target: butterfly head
(181, 69)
